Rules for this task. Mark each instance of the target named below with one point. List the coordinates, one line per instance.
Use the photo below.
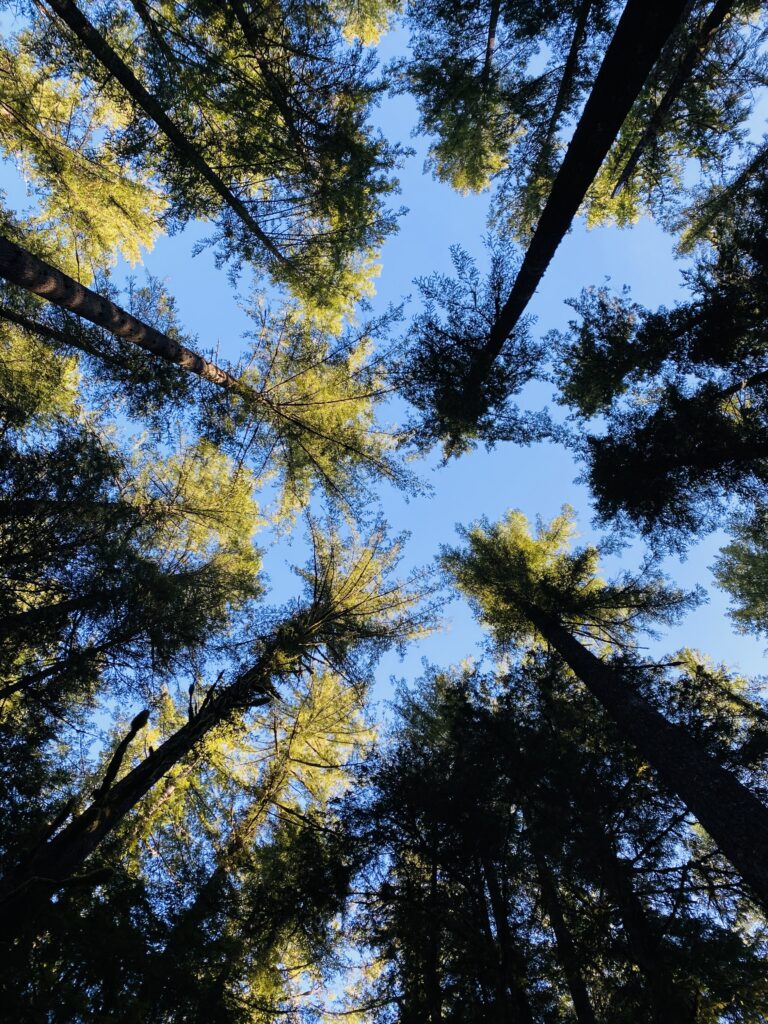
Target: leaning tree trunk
(640, 36)
(93, 41)
(27, 271)
(57, 859)
(733, 816)
(699, 46)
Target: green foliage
(438, 373)
(505, 570)
(60, 134)
(741, 569)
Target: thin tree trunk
(512, 968)
(432, 988)
(640, 36)
(60, 857)
(733, 816)
(699, 46)
(92, 39)
(22, 268)
(566, 947)
(490, 46)
(565, 89)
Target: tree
(524, 586)
(297, 185)
(350, 614)
(635, 47)
(503, 814)
(681, 389)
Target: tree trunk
(512, 968)
(565, 89)
(699, 46)
(566, 948)
(640, 36)
(93, 41)
(22, 268)
(733, 816)
(490, 46)
(60, 857)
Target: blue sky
(537, 480)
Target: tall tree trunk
(490, 46)
(733, 816)
(565, 89)
(640, 36)
(698, 47)
(22, 268)
(93, 41)
(512, 967)
(432, 987)
(566, 948)
(57, 860)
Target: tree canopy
(205, 812)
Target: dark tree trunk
(22, 268)
(640, 36)
(565, 89)
(733, 816)
(699, 46)
(57, 860)
(432, 952)
(93, 41)
(566, 948)
(512, 968)
(490, 46)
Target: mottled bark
(27, 271)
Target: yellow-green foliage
(366, 20)
(317, 395)
(742, 570)
(202, 509)
(473, 145)
(58, 132)
(507, 565)
(35, 383)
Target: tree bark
(640, 36)
(733, 816)
(566, 947)
(92, 39)
(22, 268)
(690, 59)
